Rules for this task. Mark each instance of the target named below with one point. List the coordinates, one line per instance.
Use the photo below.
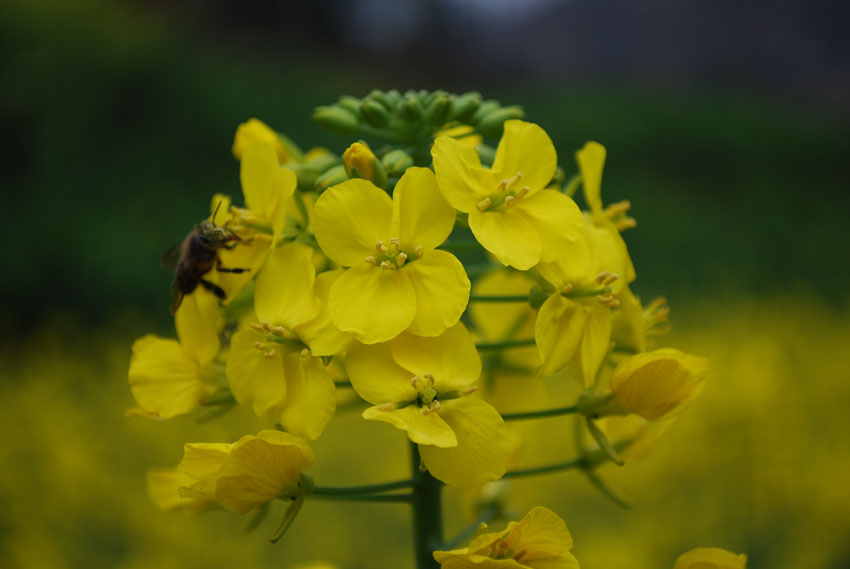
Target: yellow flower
(463, 133)
(163, 488)
(422, 386)
(361, 162)
(266, 187)
(591, 162)
(170, 377)
(657, 384)
(710, 558)
(574, 324)
(246, 474)
(256, 130)
(510, 212)
(540, 540)
(275, 366)
(398, 280)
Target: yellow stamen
(414, 381)
(386, 407)
(469, 390)
(260, 346)
(401, 259)
(305, 353)
(567, 288)
(522, 193)
(509, 200)
(430, 378)
(484, 204)
(257, 326)
(381, 247)
(618, 208)
(602, 276)
(370, 259)
(394, 242)
(508, 183)
(277, 330)
(270, 354)
(386, 265)
(625, 223)
(419, 250)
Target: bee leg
(213, 288)
(221, 269)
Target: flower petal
(558, 332)
(376, 377)
(320, 335)
(373, 304)
(451, 357)
(460, 176)
(257, 171)
(591, 161)
(710, 558)
(349, 218)
(429, 430)
(261, 468)
(442, 292)
(198, 322)
(594, 344)
(509, 235)
(163, 378)
(421, 215)
(283, 293)
(310, 396)
(163, 485)
(543, 535)
(573, 267)
(482, 448)
(527, 149)
(254, 379)
(556, 218)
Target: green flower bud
(486, 153)
(323, 162)
(375, 113)
(336, 119)
(396, 162)
(350, 104)
(491, 125)
(393, 97)
(410, 109)
(466, 104)
(439, 112)
(484, 109)
(382, 99)
(305, 174)
(332, 177)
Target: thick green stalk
(427, 513)
(540, 414)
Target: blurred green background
(117, 121)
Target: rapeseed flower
(397, 280)
(255, 130)
(540, 540)
(510, 212)
(423, 386)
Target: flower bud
(657, 384)
(396, 162)
(336, 119)
(487, 154)
(375, 113)
(361, 162)
(491, 124)
(383, 99)
(484, 108)
(332, 177)
(255, 129)
(410, 109)
(466, 104)
(439, 110)
(350, 104)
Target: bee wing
(176, 297)
(172, 256)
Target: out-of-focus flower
(398, 280)
(710, 558)
(255, 130)
(423, 386)
(540, 540)
(275, 366)
(510, 212)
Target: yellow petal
(283, 293)
(254, 379)
(710, 558)
(220, 208)
(462, 180)
(310, 397)
(261, 468)
(257, 172)
(451, 357)
(376, 377)
(256, 130)
(495, 321)
(594, 344)
(481, 454)
(574, 267)
(247, 256)
(543, 535)
(591, 161)
(421, 215)
(371, 303)
(658, 384)
(509, 235)
(320, 334)
(609, 253)
(163, 378)
(527, 149)
(198, 321)
(429, 430)
(558, 332)
(442, 292)
(350, 218)
(163, 484)
(284, 183)
(556, 218)
(202, 461)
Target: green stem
(498, 298)
(365, 489)
(505, 344)
(539, 414)
(548, 468)
(586, 293)
(427, 513)
(405, 498)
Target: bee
(197, 255)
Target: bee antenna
(212, 217)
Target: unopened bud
(487, 154)
(332, 177)
(466, 104)
(410, 109)
(350, 104)
(383, 99)
(375, 113)
(491, 125)
(484, 108)
(336, 119)
(361, 162)
(396, 162)
(439, 111)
